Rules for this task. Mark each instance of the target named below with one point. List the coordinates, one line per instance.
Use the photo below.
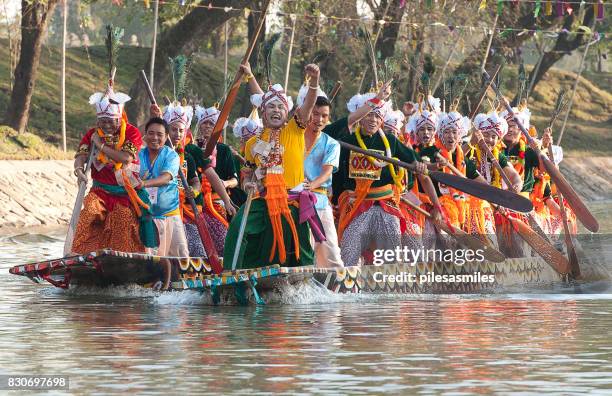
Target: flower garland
(396, 176)
(456, 210)
(484, 167)
(520, 164)
(101, 156)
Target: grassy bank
(587, 132)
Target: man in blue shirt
(320, 161)
(159, 167)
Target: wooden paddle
(530, 217)
(571, 250)
(243, 223)
(489, 193)
(78, 205)
(483, 146)
(552, 256)
(462, 237)
(233, 91)
(483, 94)
(203, 230)
(580, 209)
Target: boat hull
(107, 267)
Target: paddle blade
(209, 245)
(472, 242)
(582, 212)
(551, 255)
(495, 195)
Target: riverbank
(42, 193)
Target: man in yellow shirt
(277, 228)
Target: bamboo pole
(486, 55)
(450, 56)
(64, 33)
(154, 45)
(578, 74)
(380, 27)
(542, 51)
(290, 52)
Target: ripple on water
(305, 340)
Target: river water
(308, 341)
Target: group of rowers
(311, 202)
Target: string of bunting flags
(561, 6)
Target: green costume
(257, 241)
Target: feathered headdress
(268, 47)
(110, 104)
(179, 65)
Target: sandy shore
(36, 193)
(42, 193)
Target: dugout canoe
(107, 267)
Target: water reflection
(135, 342)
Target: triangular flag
(538, 7)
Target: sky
(10, 7)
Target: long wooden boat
(108, 267)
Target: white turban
(245, 128)
(359, 100)
(109, 105)
(453, 120)
(302, 94)
(276, 93)
(175, 112)
(491, 122)
(420, 119)
(523, 116)
(395, 120)
(206, 114)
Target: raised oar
(464, 239)
(580, 209)
(532, 221)
(233, 91)
(571, 250)
(552, 256)
(484, 94)
(489, 193)
(78, 205)
(203, 231)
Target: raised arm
(254, 87)
(383, 94)
(312, 75)
(116, 155)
